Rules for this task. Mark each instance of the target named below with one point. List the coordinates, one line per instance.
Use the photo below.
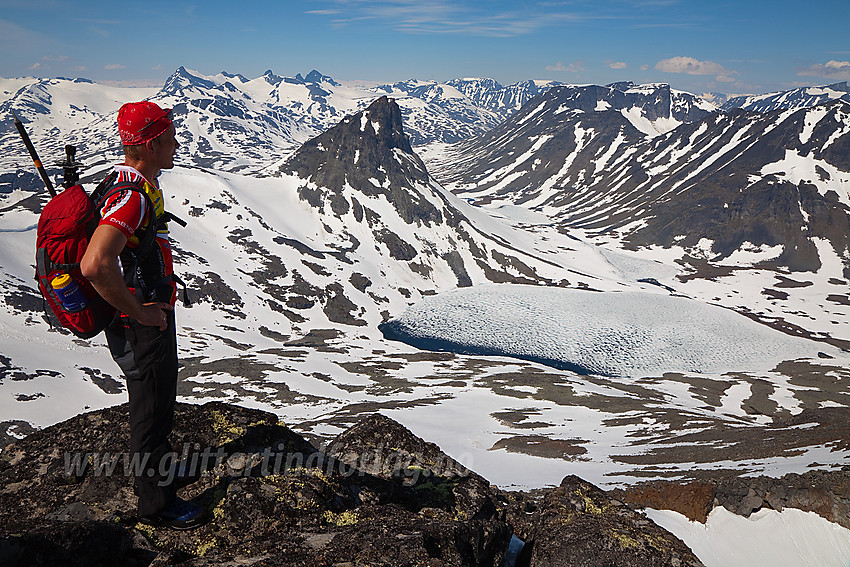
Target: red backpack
(64, 228)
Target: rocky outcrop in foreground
(377, 495)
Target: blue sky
(700, 46)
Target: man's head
(148, 135)
(139, 122)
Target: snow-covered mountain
(566, 134)
(503, 100)
(732, 179)
(228, 122)
(439, 112)
(804, 97)
(314, 220)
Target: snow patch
(649, 127)
(749, 254)
(796, 169)
(631, 333)
(791, 538)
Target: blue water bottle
(69, 293)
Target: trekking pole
(70, 166)
(34, 155)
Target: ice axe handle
(34, 155)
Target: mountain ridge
(802, 97)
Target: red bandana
(139, 122)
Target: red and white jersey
(128, 211)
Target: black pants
(148, 358)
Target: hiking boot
(179, 515)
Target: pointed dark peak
(316, 77)
(383, 117)
(378, 127)
(369, 152)
(271, 78)
(183, 79)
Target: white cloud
(616, 64)
(574, 67)
(35, 66)
(690, 66)
(835, 70)
(445, 17)
(644, 67)
(52, 58)
(115, 66)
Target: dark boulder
(579, 525)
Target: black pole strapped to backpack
(70, 167)
(34, 155)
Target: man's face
(164, 147)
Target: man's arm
(100, 266)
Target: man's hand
(100, 266)
(154, 315)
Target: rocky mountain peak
(271, 78)
(316, 77)
(182, 79)
(368, 151)
(239, 76)
(384, 118)
(652, 101)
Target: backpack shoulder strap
(106, 189)
(100, 196)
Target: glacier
(628, 333)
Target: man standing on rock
(134, 273)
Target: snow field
(630, 333)
(791, 538)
